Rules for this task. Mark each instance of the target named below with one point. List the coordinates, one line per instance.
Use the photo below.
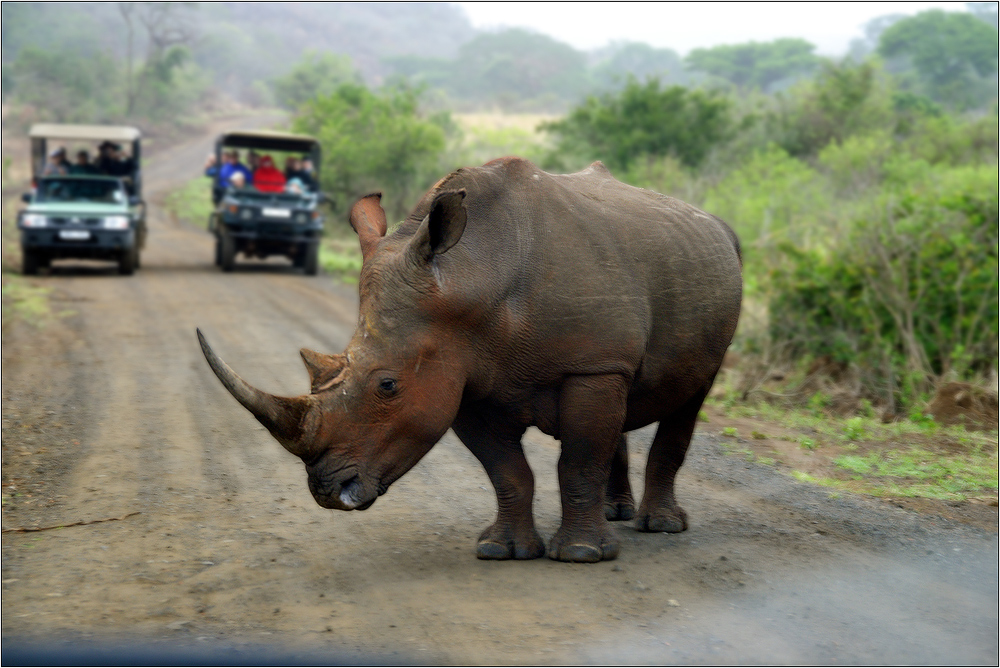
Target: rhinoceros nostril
(350, 491)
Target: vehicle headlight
(246, 214)
(34, 220)
(116, 222)
(302, 217)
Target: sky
(683, 26)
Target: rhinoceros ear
(325, 371)
(443, 226)
(368, 220)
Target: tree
(63, 87)
(374, 141)
(862, 47)
(756, 65)
(514, 66)
(168, 30)
(954, 55)
(984, 11)
(844, 99)
(642, 61)
(316, 74)
(644, 120)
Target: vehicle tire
(228, 253)
(218, 252)
(30, 262)
(310, 259)
(126, 262)
(138, 263)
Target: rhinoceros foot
(582, 549)
(663, 520)
(619, 510)
(498, 544)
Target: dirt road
(112, 410)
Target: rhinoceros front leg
(591, 415)
(497, 445)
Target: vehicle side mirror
(134, 200)
(26, 198)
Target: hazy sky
(683, 26)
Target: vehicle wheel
(310, 259)
(218, 252)
(228, 253)
(138, 263)
(126, 262)
(30, 262)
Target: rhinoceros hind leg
(659, 511)
(619, 504)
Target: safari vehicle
(260, 223)
(86, 210)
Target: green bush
(641, 121)
(375, 141)
(908, 294)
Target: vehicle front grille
(93, 222)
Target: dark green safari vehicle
(83, 207)
(266, 212)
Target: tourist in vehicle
(120, 164)
(307, 174)
(267, 178)
(237, 181)
(56, 165)
(82, 165)
(295, 169)
(223, 174)
(106, 159)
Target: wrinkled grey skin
(509, 298)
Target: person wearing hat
(56, 165)
(105, 157)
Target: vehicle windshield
(80, 190)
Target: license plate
(74, 235)
(276, 213)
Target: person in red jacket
(267, 178)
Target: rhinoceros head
(378, 407)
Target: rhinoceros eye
(387, 386)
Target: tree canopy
(758, 65)
(645, 120)
(950, 51)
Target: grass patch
(921, 472)
(341, 259)
(192, 202)
(915, 457)
(26, 302)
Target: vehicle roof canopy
(269, 140)
(122, 133)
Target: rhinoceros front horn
(281, 415)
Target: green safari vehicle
(88, 208)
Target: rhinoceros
(509, 298)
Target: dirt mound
(962, 403)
